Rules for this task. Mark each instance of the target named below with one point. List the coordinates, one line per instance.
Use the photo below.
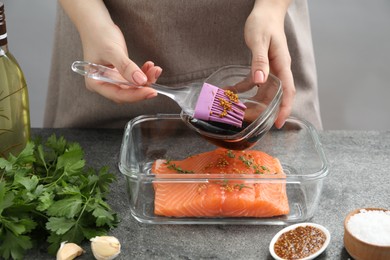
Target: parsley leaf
(48, 187)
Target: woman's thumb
(260, 66)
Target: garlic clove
(105, 247)
(69, 251)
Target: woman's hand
(103, 43)
(265, 37)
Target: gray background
(351, 42)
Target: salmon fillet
(222, 198)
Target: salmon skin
(222, 198)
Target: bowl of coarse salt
(367, 234)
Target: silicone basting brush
(219, 105)
(208, 102)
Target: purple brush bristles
(218, 105)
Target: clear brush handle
(106, 74)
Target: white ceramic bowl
(292, 227)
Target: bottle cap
(3, 29)
(2, 17)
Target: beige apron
(189, 40)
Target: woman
(176, 42)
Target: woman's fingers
(118, 94)
(288, 97)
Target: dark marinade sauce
(228, 130)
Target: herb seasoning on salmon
(255, 197)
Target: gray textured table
(359, 177)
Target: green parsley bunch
(47, 192)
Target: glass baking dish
(148, 138)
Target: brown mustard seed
(227, 187)
(299, 242)
(233, 97)
(227, 104)
(235, 170)
(222, 162)
(210, 165)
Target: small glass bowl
(262, 101)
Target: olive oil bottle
(14, 104)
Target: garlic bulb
(105, 247)
(69, 251)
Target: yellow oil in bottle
(14, 103)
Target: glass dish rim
(321, 173)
